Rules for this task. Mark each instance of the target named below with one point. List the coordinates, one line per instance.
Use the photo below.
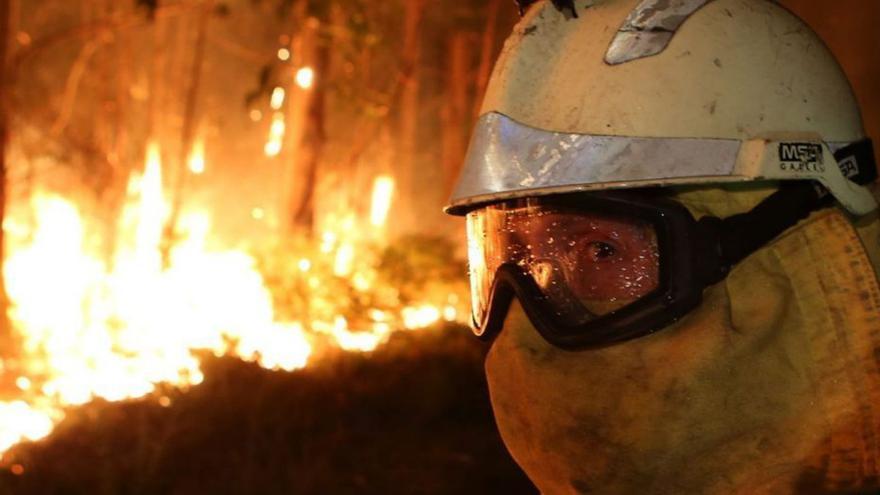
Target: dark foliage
(411, 418)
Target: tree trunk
(408, 124)
(6, 340)
(313, 134)
(120, 156)
(487, 52)
(455, 112)
(187, 132)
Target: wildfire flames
(92, 328)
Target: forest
(188, 182)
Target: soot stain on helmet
(561, 5)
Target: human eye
(600, 251)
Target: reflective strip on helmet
(507, 159)
(649, 29)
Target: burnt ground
(413, 417)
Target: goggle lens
(586, 264)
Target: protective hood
(772, 385)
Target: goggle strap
(728, 241)
(734, 238)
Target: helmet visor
(585, 264)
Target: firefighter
(674, 248)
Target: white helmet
(683, 92)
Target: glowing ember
(277, 99)
(276, 135)
(344, 260)
(23, 38)
(197, 157)
(93, 327)
(305, 77)
(23, 383)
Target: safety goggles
(588, 269)
(593, 269)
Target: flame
(383, 191)
(93, 327)
(305, 77)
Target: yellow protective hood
(771, 386)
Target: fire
(92, 327)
